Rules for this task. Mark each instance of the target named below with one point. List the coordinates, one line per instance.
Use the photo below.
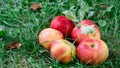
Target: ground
(23, 25)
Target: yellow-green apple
(63, 24)
(63, 50)
(85, 29)
(92, 51)
(48, 35)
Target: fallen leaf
(14, 45)
(70, 15)
(35, 6)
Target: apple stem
(92, 46)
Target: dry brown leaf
(35, 6)
(14, 45)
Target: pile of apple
(90, 48)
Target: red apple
(63, 24)
(88, 22)
(92, 51)
(84, 30)
(48, 35)
(63, 51)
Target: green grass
(23, 24)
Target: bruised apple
(85, 29)
(63, 24)
(88, 22)
(92, 51)
(63, 51)
(48, 35)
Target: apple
(88, 22)
(63, 24)
(63, 51)
(92, 51)
(84, 30)
(48, 35)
